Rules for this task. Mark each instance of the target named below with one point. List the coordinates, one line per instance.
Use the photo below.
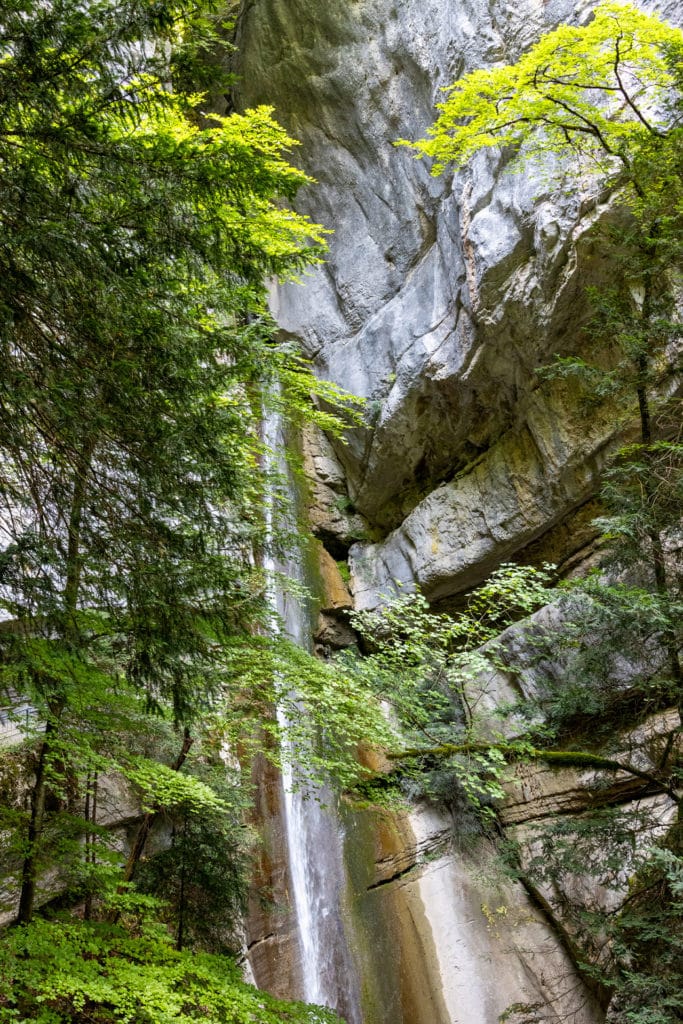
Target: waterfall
(313, 833)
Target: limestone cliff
(439, 301)
(440, 297)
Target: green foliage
(54, 972)
(116, 752)
(431, 671)
(134, 335)
(605, 100)
(201, 875)
(605, 89)
(344, 570)
(632, 518)
(630, 939)
(330, 711)
(642, 484)
(138, 357)
(598, 665)
(648, 944)
(201, 878)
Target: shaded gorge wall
(439, 301)
(414, 922)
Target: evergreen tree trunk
(90, 850)
(657, 547)
(654, 537)
(180, 937)
(27, 896)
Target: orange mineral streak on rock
(334, 592)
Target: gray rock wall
(438, 302)
(440, 297)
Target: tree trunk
(657, 546)
(180, 936)
(145, 828)
(90, 848)
(655, 539)
(27, 896)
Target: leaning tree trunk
(649, 491)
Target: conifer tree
(136, 352)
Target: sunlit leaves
(431, 671)
(603, 90)
(54, 972)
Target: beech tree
(608, 91)
(70, 972)
(609, 95)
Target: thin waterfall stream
(314, 835)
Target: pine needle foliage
(138, 229)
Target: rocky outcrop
(437, 298)
(331, 512)
(440, 297)
(333, 630)
(467, 943)
(529, 481)
(456, 941)
(580, 835)
(438, 303)
(536, 791)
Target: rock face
(533, 478)
(536, 791)
(331, 512)
(440, 297)
(457, 943)
(438, 303)
(270, 934)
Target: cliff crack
(257, 942)
(392, 878)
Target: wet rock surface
(440, 300)
(466, 943)
(537, 791)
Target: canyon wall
(440, 296)
(438, 302)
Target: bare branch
(626, 95)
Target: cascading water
(314, 836)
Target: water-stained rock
(438, 303)
(530, 480)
